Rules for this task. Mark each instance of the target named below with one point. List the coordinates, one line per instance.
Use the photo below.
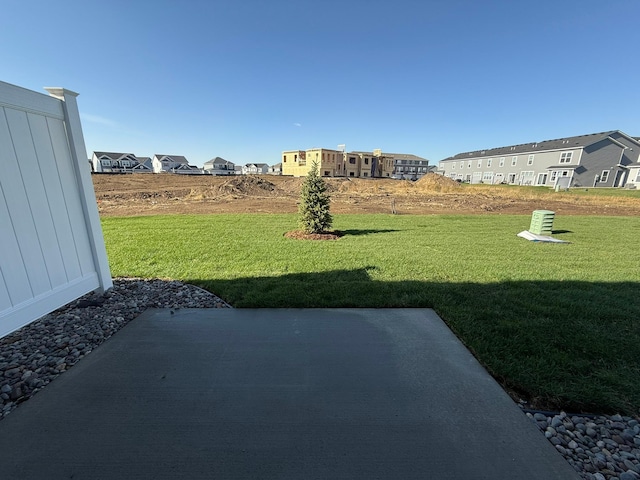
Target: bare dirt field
(155, 194)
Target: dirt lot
(153, 194)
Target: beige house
(298, 162)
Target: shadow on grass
(555, 232)
(558, 344)
(354, 232)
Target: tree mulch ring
(300, 235)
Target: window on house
(351, 174)
(554, 175)
(365, 174)
(352, 160)
(453, 166)
(489, 161)
(469, 164)
(638, 176)
(326, 173)
(284, 158)
(565, 157)
(462, 164)
(126, 163)
(604, 177)
(565, 173)
(366, 161)
(105, 163)
(487, 176)
(479, 163)
(295, 158)
(501, 163)
(530, 160)
(514, 161)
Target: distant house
(112, 162)
(145, 165)
(275, 169)
(255, 169)
(606, 159)
(219, 166)
(174, 164)
(408, 167)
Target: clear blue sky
(245, 80)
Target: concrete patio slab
(277, 394)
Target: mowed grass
(558, 324)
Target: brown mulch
(300, 235)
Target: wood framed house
(113, 162)
(603, 159)
(336, 163)
(174, 164)
(219, 166)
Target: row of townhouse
(336, 163)
(606, 159)
(112, 162)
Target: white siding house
(255, 169)
(219, 166)
(275, 169)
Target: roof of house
(146, 161)
(113, 155)
(172, 158)
(218, 161)
(403, 156)
(558, 143)
(277, 165)
(262, 165)
(400, 156)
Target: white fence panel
(51, 246)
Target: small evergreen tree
(314, 203)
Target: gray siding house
(604, 159)
(219, 166)
(408, 167)
(115, 162)
(173, 164)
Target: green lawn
(557, 323)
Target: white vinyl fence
(51, 245)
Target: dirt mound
(247, 185)
(152, 194)
(437, 183)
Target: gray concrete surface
(277, 394)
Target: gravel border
(598, 447)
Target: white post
(83, 177)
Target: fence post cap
(60, 92)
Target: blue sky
(245, 80)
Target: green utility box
(542, 222)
